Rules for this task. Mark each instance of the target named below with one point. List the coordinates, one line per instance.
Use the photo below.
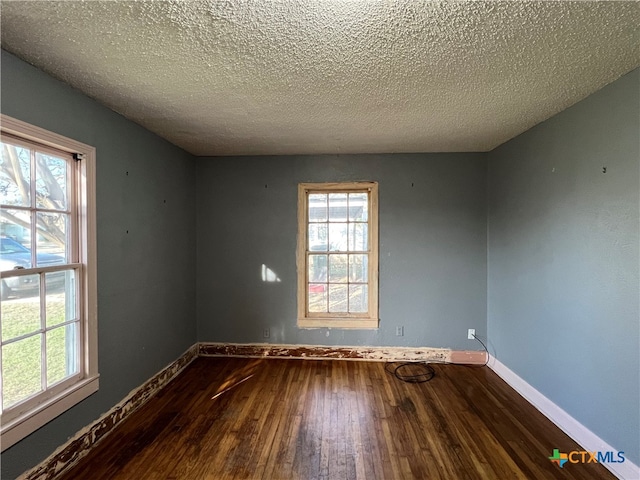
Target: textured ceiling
(329, 76)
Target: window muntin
(337, 255)
(48, 330)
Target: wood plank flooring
(235, 418)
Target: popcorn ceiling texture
(319, 76)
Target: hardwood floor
(233, 418)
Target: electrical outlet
(399, 331)
(266, 333)
(471, 333)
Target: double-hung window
(337, 255)
(48, 348)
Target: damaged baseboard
(68, 454)
(382, 354)
(385, 354)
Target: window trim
(348, 321)
(52, 403)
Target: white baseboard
(569, 425)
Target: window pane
(15, 244)
(358, 237)
(358, 299)
(52, 239)
(338, 298)
(337, 207)
(51, 182)
(318, 237)
(21, 370)
(61, 297)
(20, 306)
(317, 268)
(62, 353)
(317, 207)
(317, 297)
(338, 268)
(338, 237)
(358, 207)
(15, 175)
(358, 268)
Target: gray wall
(563, 285)
(146, 286)
(432, 247)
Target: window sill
(17, 429)
(332, 322)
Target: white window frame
(28, 416)
(306, 319)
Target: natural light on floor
(238, 377)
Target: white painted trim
(569, 425)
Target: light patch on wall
(269, 275)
